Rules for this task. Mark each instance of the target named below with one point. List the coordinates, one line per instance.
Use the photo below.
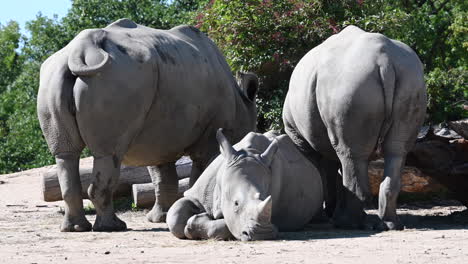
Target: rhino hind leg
(395, 149)
(349, 212)
(166, 185)
(330, 176)
(70, 186)
(388, 193)
(106, 172)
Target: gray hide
(352, 92)
(143, 97)
(249, 192)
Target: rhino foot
(156, 215)
(196, 227)
(78, 224)
(388, 225)
(107, 224)
(346, 221)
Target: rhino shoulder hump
(123, 23)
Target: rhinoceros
(142, 97)
(262, 185)
(350, 94)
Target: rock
(460, 126)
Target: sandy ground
(435, 232)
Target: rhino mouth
(260, 232)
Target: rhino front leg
(70, 186)
(106, 172)
(188, 219)
(166, 185)
(202, 226)
(179, 213)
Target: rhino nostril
(246, 236)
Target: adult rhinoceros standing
(138, 96)
(353, 91)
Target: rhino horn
(269, 153)
(225, 147)
(264, 209)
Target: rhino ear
(248, 82)
(225, 147)
(268, 155)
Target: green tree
(21, 142)
(269, 37)
(437, 31)
(10, 60)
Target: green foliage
(10, 60)
(437, 31)
(47, 36)
(447, 89)
(269, 37)
(21, 142)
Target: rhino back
(173, 89)
(339, 76)
(297, 187)
(195, 94)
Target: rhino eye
(236, 203)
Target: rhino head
(243, 191)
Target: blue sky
(26, 10)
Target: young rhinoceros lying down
(261, 185)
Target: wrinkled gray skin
(142, 97)
(261, 185)
(349, 94)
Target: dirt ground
(435, 232)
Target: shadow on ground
(430, 215)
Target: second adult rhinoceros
(261, 185)
(347, 94)
(140, 96)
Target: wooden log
(143, 194)
(413, 180)
(128, 175)
(460, 126)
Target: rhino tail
(388, 79)
(87, 57)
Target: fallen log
(461, 127)
(143, 194)
(413, 180)
(128, 175)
